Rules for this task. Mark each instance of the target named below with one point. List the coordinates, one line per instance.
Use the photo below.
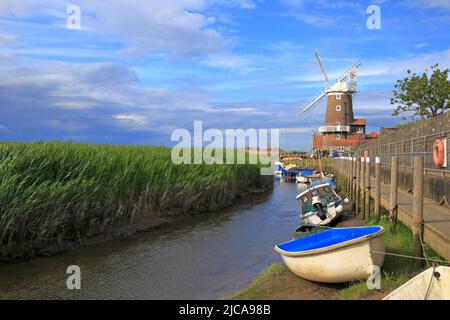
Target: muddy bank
(277, 282)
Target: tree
(422, 95)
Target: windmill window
(338, 96)
(338, 107)
(341, 149)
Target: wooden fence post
(357, 195)
(362, 178)
(347, 169)
(350, 176)
(367, 190)
(417, 225)
(377, 188)
(354, 182)
(393, 205)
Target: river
(206, 256)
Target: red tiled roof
(359, 122)
(373, 135)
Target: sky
(137, 70)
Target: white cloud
(321, 4)
(229, 62)
(176, 27)
(7, 39)
(243, 4)
(421, 45)
(314, 19)
(434, 4)
(131, 117)
(12, 7)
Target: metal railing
(414, 140)
(334, 129)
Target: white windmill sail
(345, 83)
(312, 102)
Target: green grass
(55, 191)
(252, 290)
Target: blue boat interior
(306, 173)
(327, 238)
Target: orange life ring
(438, 152)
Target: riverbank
(58, 196)
(168, 262)
(277, 282)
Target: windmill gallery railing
(326, 129)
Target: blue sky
(137, 70)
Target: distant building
(373, 135)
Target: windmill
(346, 83)
(341, 131)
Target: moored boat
(302, 179)
(278, 169)
(335, 255)
(322, 181)
(432, 284)
(320, 205)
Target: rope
(410, 257)
(429, 285)
(420, 226)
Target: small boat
(302, 179)
(336, 255)
(290, 172)
(432, 284)
(306, 172)
(326, 180)
(320, 205)
(278, 169)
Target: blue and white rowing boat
(335, 255)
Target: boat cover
(327, 238)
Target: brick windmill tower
(342, 132)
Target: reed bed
(54, 192)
